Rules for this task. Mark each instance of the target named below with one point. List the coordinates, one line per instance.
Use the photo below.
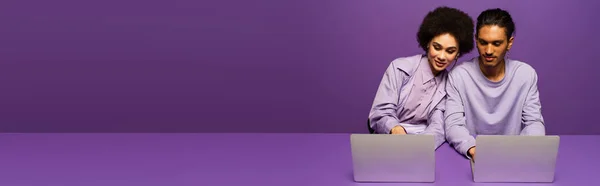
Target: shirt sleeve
(382, 116)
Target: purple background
(255, 66)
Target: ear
(510, 42)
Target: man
(492, 95)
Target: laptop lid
(502, 158)
(393, 158)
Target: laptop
(502, 158)
(393, 158)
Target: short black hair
(446, 20)
(497, 17)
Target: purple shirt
(420, 97)
(406, 97)
(476, 105)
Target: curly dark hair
(446, 20)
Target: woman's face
(442, 51)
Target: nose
(489, 51)
(442, 56)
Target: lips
(489, 59)
(440, 64)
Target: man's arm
(457, 133)
(532, 120)
(436, 124)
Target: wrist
(397, 129)
(471, 151)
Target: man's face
(492, 45)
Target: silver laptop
(501, 158)
(393, 158)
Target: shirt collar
(426, 73)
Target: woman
(411, 96)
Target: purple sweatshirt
(476, 105)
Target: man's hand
(472, 153)
(398, 130)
